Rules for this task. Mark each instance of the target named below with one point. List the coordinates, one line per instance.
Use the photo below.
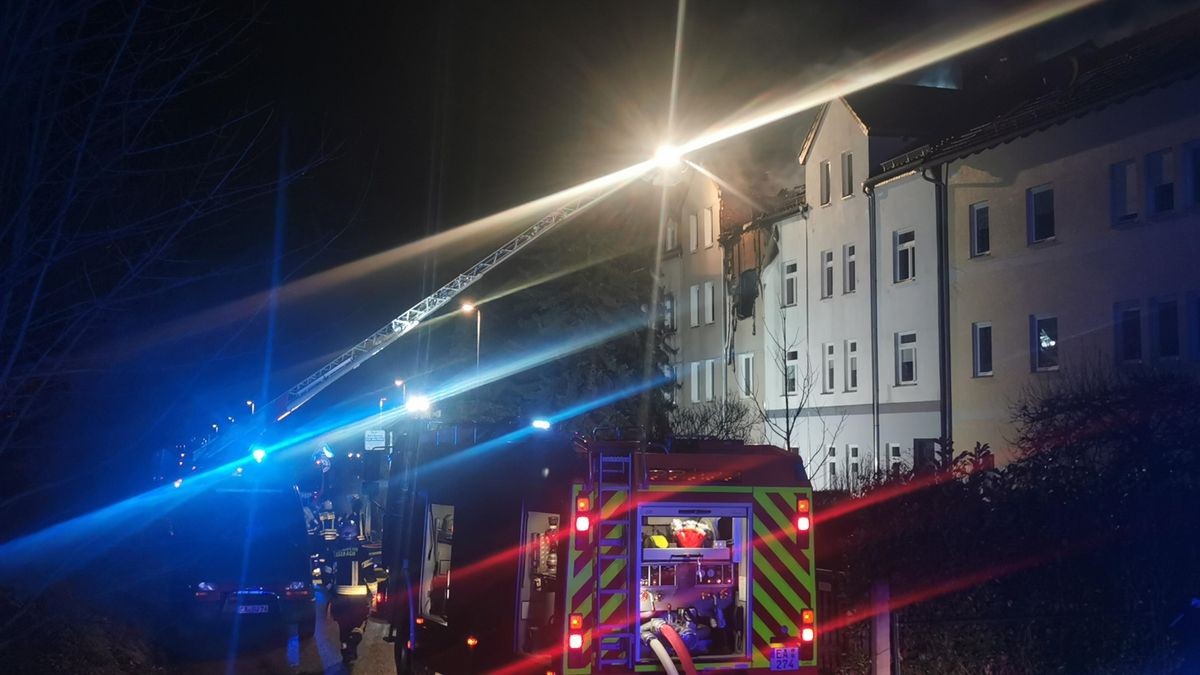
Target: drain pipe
(937, 176)
(873, 257)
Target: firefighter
(328, 521)
(353, 586)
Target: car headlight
(297, 586)
(205, 586)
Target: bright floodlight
(418, 404)
(467, 308)
(259, 455)
(667, 156)
(178, 482)
(541, 424)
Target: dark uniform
(353, 585)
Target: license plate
(253, 609)
(785, 658)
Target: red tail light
(576, 622)
(583, 504)
(807, 617)
(803, 514)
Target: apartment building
(694, 301)
(1072, 228)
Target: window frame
(694, 384)
(746, 374)
(850, 356)
(976, 250)
(710, 303)
(909, 251)
(791, 280)
(826, 274)
(829, 371)
(1121, 189)
(825, 179)
(707, 228)
(1149, 187)
(849, 269)
(694, 305)
(1120, 343)
(1157, 332)
(1031, 214)
(1035, 321)
(901, 348)
(710, 374)
(977, 329)
(693, 232)
(791, 362)
(847, 174)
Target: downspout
(873, 256)
(937, 176)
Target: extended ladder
(615, 556)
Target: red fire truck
(537, 553)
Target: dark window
(1129, 333)
(983, 349)
(1166, 319)
(824, 182)
(981, 239)
(1124, 191)
(847, 174)
(905, 256)
(1160, 181)
(1041, 213)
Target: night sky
(420, 119)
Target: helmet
(347, 529)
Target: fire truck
(542, 553)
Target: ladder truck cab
(563, 555)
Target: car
(241, 552)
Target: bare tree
(106, 175)
(726, 419)
(800, 381)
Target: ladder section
(616, 559)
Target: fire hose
(651, 631)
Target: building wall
(683, 268)
(1089, 265)
(907, 411)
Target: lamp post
(250, 404)
(403, 389)
(469, 308)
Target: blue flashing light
(259, 455)
(178, 482)
(327, 452)
(541, 424)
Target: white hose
(663, 657)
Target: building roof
(1075, 84)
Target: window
(710, 303)
(849, 269)
(1128, 332)
(672, 373)
(789, 284)
(906, 358)
(710, 374)
(824, 182)
(692, 232)
(981, 333)
(853, 450)
(1124, 192)
(1040, 213)
(1166, 329)
(694, 381)
(854, 470)
(894, 451)
(981, 234)
(791, 369)
(435, 571)
(832, 451)
(672, 236)
(847, 174)
(827, 374)
(851, 365)
(746, 375)
(694, 308)
(905, 246)
(1044, 347)
(826, 274)
(1160, 181)
(709, 237)
(668, 310)
(832, 473)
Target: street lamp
(382, 400)
(468, 308)
(403, 389)
(250, 404)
